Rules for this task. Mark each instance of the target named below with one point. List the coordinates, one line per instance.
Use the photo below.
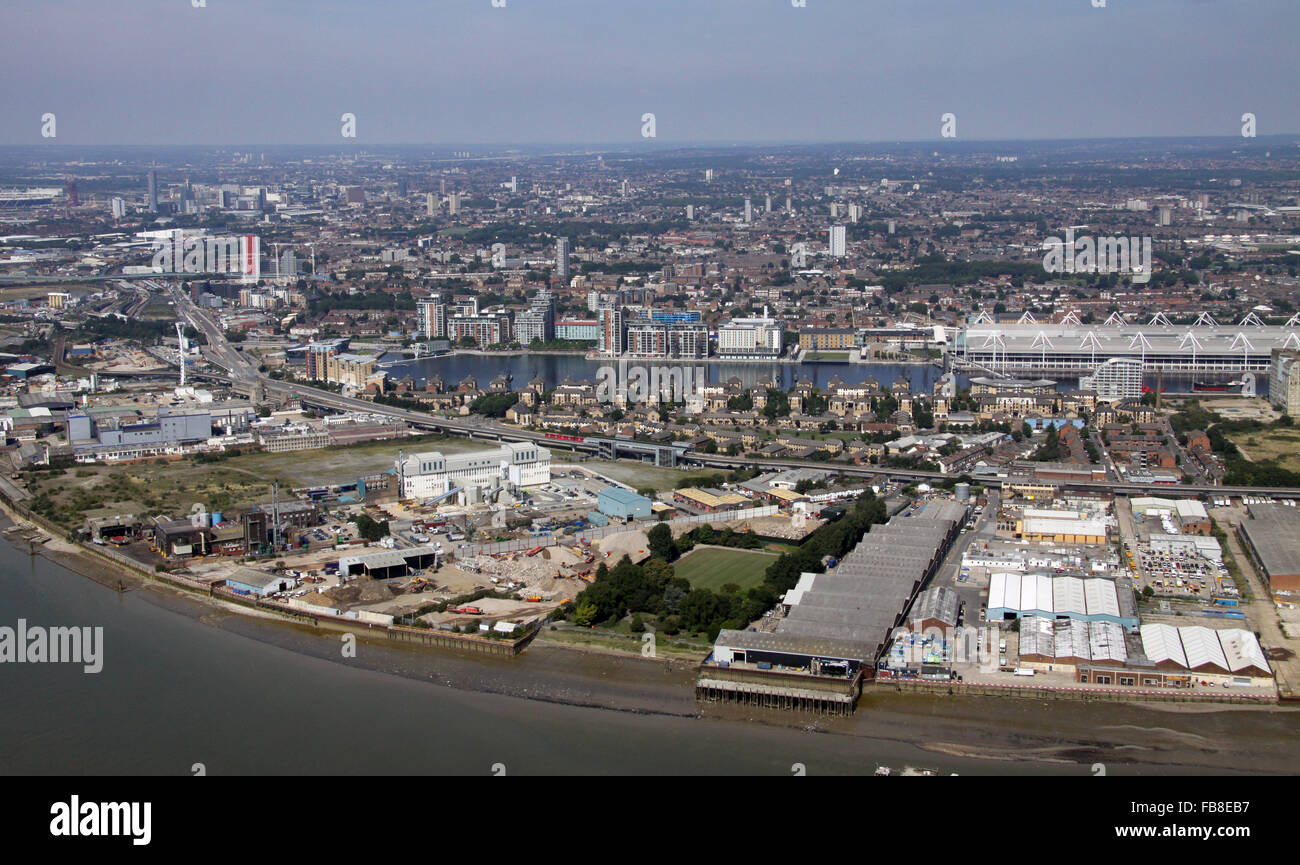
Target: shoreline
(590, 678)
(518, 352)
(574, 677)
(119, 577)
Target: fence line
(594, 534)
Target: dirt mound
(562, 556)
(362, 591)
(345, 594)
(559, 589)
(632, 544)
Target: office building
(673, 316)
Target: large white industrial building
(1231, 655)
(1014, 595)
(477, 475)
(1069, 347)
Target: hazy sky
(446, 71)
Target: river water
(554, 368)
(184, 683)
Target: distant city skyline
(235, 72)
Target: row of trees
(1239, 471)
(663, 546)
(653, 588)
(832, 539)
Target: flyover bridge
(677, 454)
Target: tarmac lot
(972, 587)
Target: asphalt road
(241, 370)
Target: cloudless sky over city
(539, 71)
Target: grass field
(1280, 444)
(638, 475)
(172, 488)
(337, 464)
(714, 567)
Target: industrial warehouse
(837, 623)
(1160, 655)
(1270, 536)
(1014, 596)
(388, 564)
(476, 476)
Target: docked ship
(1216, 386)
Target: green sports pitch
(714, 567)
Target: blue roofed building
(621, 504)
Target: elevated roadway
(242, 373)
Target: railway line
(242, 373)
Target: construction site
(489, 570)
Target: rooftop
(1272, 531)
